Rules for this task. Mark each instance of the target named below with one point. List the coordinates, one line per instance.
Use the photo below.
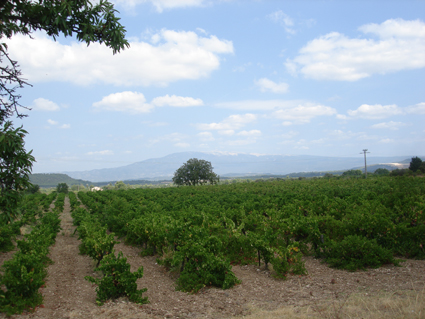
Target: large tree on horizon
(195, 172)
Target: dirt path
(68, 295)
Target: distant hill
(52, 180)
(236, 164)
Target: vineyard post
(365, 165)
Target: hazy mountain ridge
(53, 179)
(164, 167)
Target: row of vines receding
(200, 232)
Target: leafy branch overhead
(86, 21)
(90, 23)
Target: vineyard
(202, 236)
(200, 232)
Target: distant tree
(353, 172)
(415, 164)
(195, 172)
(328, 175)
(62, 188)
(400, 172)
(108, 187)
(32, 189)
(382, 172)
(120, 185)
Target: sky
(305, 77)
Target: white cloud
(376, 111)
(341, 135)
(416, 109)
(206, 136)
(401, 46)
(226, 132)
(176, 138)
(63, 126)
(41, 104)
(267, 85)
(303, 113)
(251, 133)
(176, 101)
(292, 111)
(161, 5)
(387, 140)
(241, 142)
(284, 20)
(261, 105)
(233, 122)
(389, 125)
(132, 102)
(105, 152)
(396, 28)
(135, 102)
(242, 68)
(289, 135)
(182, 145)
(175, 55)
(155, 124)
(302, 147)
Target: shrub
(6, 235)
(200, 268)
(288, 261)
(117, 280)
(357, 252)
(23, 276)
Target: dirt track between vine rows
(68, 295)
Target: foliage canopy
(62, 188)
(353, 172)
(382, 171)
(415, 164)
(195, 172)
(15, 167)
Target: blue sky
(235, 76)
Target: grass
(395, 305)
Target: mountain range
(234, 164)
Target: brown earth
(68, 295)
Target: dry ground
(387, 292)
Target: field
(270, 244)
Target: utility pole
(365, 165)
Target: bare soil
(68, 295)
